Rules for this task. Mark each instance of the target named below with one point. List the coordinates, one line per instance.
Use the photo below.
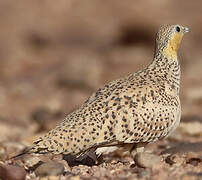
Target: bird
(128, 113)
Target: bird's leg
(88, 158)
(100, 159)
(137, 148)
(91, 154)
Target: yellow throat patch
(171, 50)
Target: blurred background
(53, 55)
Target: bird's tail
(28, 150)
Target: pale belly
(124, 148)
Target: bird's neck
(168, 69)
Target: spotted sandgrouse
(127, 113)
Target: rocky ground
(54, 55)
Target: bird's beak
(186, 29)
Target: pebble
(176, 159)
(51, 168)
(11, 172)
(146, 160)
(31, 162)
(193, 158)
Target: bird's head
(168, 40)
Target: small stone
(65, 165)
(193, 158)
(146, 160)
(51, 168)
(31, 162)
(175, 159)
(10, 172)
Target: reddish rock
(10, 172)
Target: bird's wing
(81, 129)
(122, 112)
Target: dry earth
(53, 55)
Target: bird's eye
(178, 29)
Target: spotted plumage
(137, 109)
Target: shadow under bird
(127, 113)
